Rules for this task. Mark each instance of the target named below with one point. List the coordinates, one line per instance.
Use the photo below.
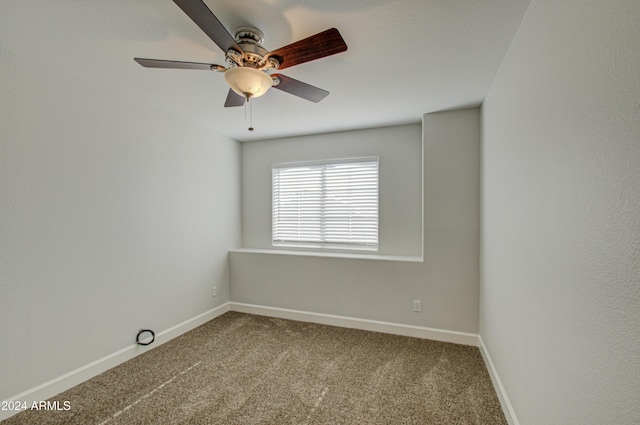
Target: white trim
(507, 408)
(75, 377)
(356, 323)
(302, 253)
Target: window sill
(401, 258)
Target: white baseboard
(75, 377)
(356, 323)
(507, 408)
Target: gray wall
(447, 280)
(560, 297)
(113, 216)
(399, 149)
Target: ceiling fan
(248, 63)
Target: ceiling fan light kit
(248, 82)
(248, 63)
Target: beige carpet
(246, 369)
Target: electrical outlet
(215, 291)
(417, 305)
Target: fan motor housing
(250, 41)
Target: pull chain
(250, 112)
(250, 115)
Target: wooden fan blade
(300, 89)
(317, 46)
(159, 63)
(233, 99)
(207, 21)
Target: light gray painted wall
(113, 216)
(399, 149)
(447, 281)
(560, 297)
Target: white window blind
(330, 204)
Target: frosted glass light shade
(248, 82)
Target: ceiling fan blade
(159, 63)
(300, 89)
(207, 21)
(233, 99)
(317, 46)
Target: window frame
(322, 243)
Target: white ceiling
(405, 57)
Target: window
(330, 204)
